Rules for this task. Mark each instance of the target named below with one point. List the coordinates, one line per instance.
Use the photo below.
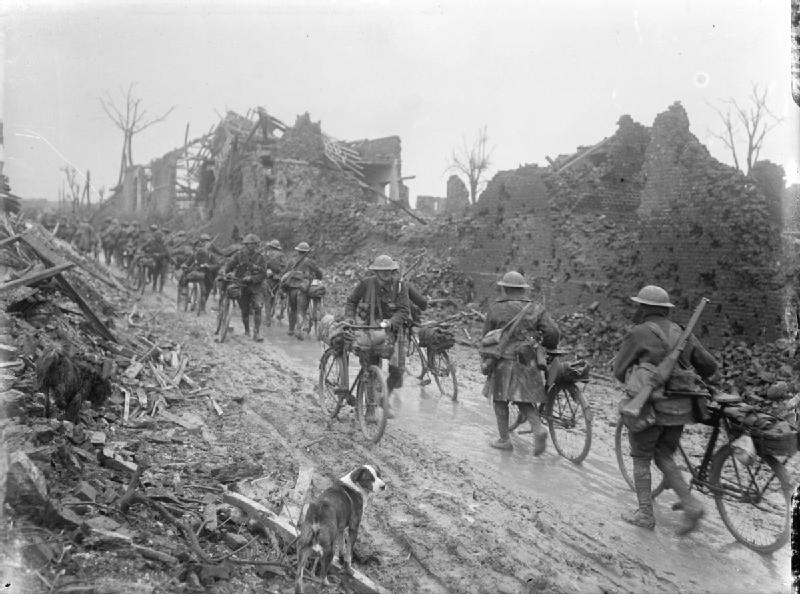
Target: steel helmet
(302, 247)
(153, 227)
(204, 237)
(274, 243)
(383, 262)
(653, 295)
(513, 278)
(251, 238)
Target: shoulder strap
(674, 334)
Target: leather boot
(501, 414)
(246, 323)
(528, 412)
(292, 321)
(692, 508)
(257, 329)
(643, 515)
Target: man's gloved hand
(396, 322)
(247, 279)
(349, 321)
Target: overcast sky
(543, 77)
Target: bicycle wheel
(414, 355)
(223, 302)
(330, 377)
(226, 320)
(569, 420)
(372, 402)
(753, 501)
(444, 374)
(625, 462)
(194, 299)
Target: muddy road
(459, 516)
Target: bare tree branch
(131, 123)
(757, 120)
(472, 161)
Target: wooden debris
(35, 277)
(133, 369)
(210, 512)
(214, 405)
(51, 259)
(126, 407)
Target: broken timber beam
(10, 240)
(51, 259)
(35, 277)
(357, 582)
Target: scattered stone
(26, 488)
(85, 492)
(100, 523)
(235, 541)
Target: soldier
(203, 260)
(302, 270)
(383, 297)
(276, 264)
(250, 267)
(649, 342)
(512, 373)
(155, 248)
(83, 238)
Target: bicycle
(144, 275)
(565, 409)
(762, 487)
(190, 293)
(228, 296)
(368, 393)
(422, 360)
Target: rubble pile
(88, 406)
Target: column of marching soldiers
(269, 279)
(272, 281)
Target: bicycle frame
(700, 472)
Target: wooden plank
(9, 240)
(34, 277)
(52, 259)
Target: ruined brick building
(253, 173)
(647, 205)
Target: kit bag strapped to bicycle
(436, 338)
(374, 342)
(645, 383)
(316, 290)
(771, 434)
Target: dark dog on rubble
(331, 521)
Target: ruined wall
(161, 200)
(706, 231)
(457, 194)
(510, 229)
(431, 204)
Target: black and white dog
(331, 521)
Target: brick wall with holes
(707, 231)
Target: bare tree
(755, 118)
(131, 118)
(74, 187)
(472, 161)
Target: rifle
(633, 407)
(414, 266)
(295, 265)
